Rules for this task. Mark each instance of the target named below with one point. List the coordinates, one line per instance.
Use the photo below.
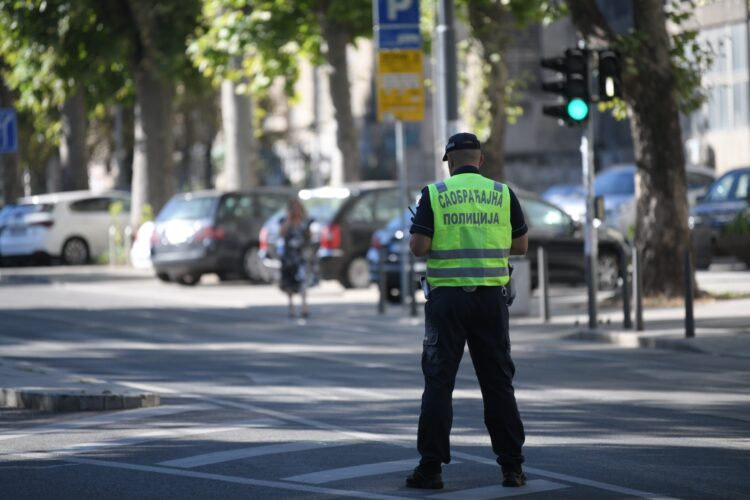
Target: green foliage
(252, 42)
(54, 48)
(147, 213)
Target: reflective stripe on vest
(473, 234)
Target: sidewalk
(31, 386)
(722, 328)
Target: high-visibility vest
(473, 235)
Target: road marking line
(330, 475)
(568, 479)
(384, 438)
(239, 454)
(233, 479)
(497, 491)
(157, 411)
(155, 435)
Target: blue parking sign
(8, 130)
(397, 12)
(397, 24)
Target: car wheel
(357, 273)
(75, 252)
(188, 279)
(608, 270)
(164, 277)
(252, 266)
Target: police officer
(467, 225)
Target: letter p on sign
(396, 6)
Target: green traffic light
(578, 109)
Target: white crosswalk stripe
(357, 471)
(497, 491)
(242, 453)
(138, 438)
(110, 418)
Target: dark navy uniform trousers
(454, 317)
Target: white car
(73, 226)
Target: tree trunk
(337, 38)
(153, 170)
(73, 159)
(53, 177)
(123, 140)
(9, 169)
(490, 23)
(238, 136)
(662, 234)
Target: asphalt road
(257, 405)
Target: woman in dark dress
(297, 254)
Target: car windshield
(322, 209)
(564, 190)
(615, 182)
(396, 223)
(188, 208)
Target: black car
(213, 232)
(549, 226)
(720, 221)
(345, 218)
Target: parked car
(720, 222)
(213, 232)
(549, 226)
(345, 219)
(617, 186)
(73, 226)
(569, 197)
(5, 214)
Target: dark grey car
(721, 220)
(213, 232)
(549, 227)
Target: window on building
(726, 81)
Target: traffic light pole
(591, 244)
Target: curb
(634, 340)
(75, 401)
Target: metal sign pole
(590, 241)
(401, 167)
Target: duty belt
(472, 289)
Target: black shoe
(513, 478)
(425, 481)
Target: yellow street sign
(400, 85)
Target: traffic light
(610, 84)
(574, 87)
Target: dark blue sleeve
(424, 222)
(517, 220)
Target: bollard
(381, 280)
(542, 274)
(637, 290)
(112, 247)
(689, 319)
(623, 263)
